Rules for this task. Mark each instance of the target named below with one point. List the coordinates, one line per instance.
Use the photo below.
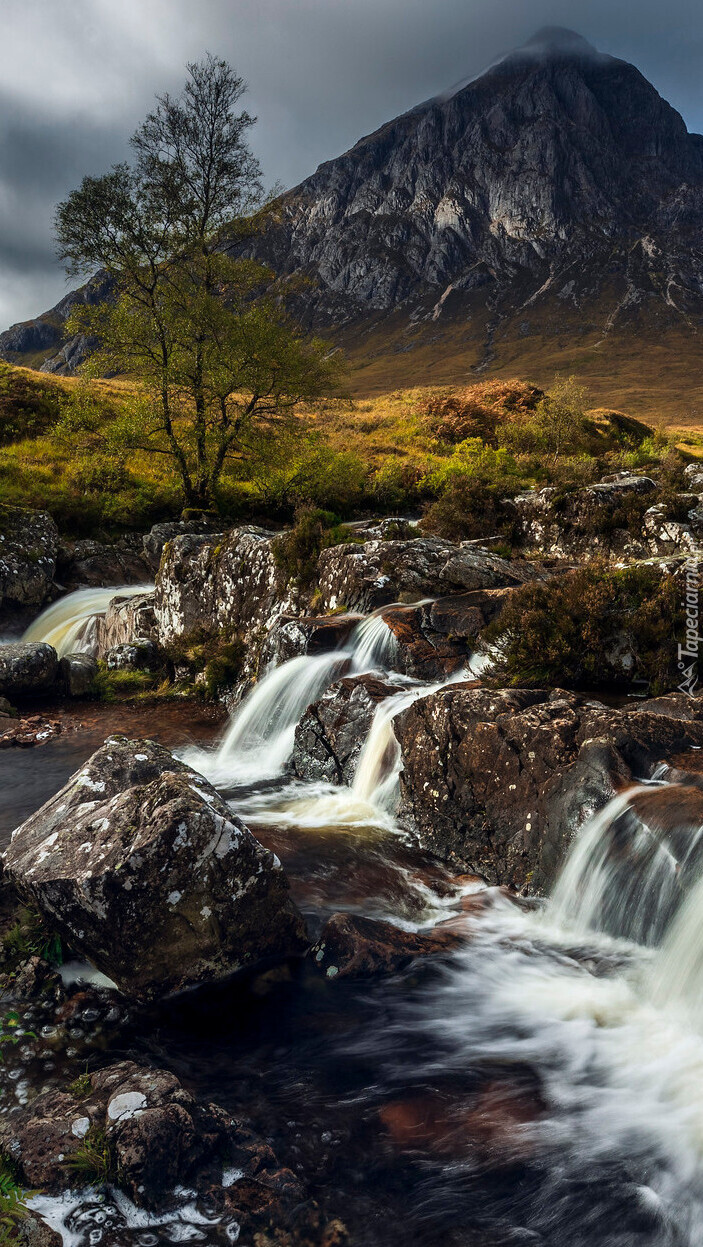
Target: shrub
(479, 410)
(468, 508)
(219, 657)
(296, 552)
(574, 630)
(12, 1207)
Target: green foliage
(93, 1163)
(81, 1086)
(30, 937)
(296, 552)
(569, 631)
(218, 658)
(29, 406)
(299, 467)
(111, 686)
(12, 1202)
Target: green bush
(219, 657)
(296, 552)
(569, 631)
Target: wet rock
(25, 732)
(143, 869)
(29, 542)
(435, 639)
(500, 781)
(229, 582)
(128, 618)
(27, 667)
(34, 1232)
(137, 655)
(364, 577)
(351, 946)
(145, 1129)
(331, 733)
(98, 563)
(300, 635)
(77, 674)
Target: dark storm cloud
(77, 76)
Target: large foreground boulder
(499, 782)
(29, 543)
(27, 667)
(141, 867)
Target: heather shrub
(596, 627)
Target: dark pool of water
(29, 777)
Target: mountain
(546, 214)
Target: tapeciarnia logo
(690, 649)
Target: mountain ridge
(556, 188)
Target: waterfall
(260, 738)
(70, 625)
(373, 645)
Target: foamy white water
(70, 624)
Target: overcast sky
(78, 76)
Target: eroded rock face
(435, 639)
(290, 638)
(364, 577)
(29, 543)
(227, 581)
(499, 782)
(617, 518)
(331, 733)
(143, 869)
(154, 541)
(126, 619)
(88, 563)
(157, 1134)
(27, 667)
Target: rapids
(542, 1084)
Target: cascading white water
(621, 880)
(373, 645)
(70, 624)
(259, 741)
(260, 738)
(676, 976)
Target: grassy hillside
(401, 450)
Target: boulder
(28, 667)
(588, 523)
(331, 733)
(129, 617)
(29, 542)
(143, 869)
(98, 563)
(154, 541)
(499, 782)
(153, 1133)
(435, 639)
(77, 674)
(364, 577)
(351, 946)
(229, 582)
(137, 655)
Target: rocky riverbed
(277, 966)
